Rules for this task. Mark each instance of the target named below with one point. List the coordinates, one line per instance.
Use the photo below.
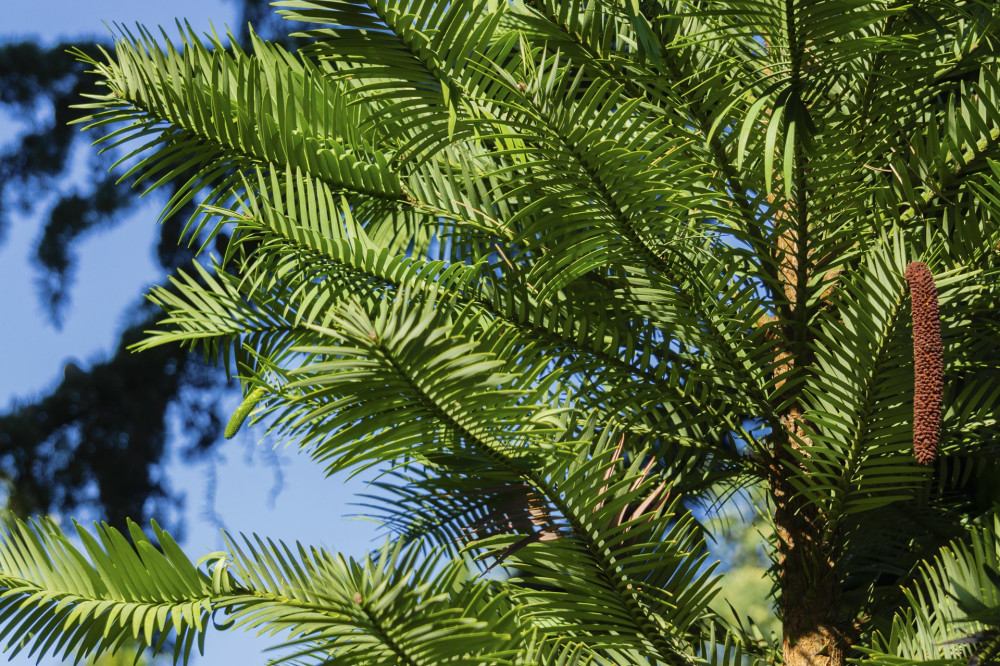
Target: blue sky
(52, 20)
(114, 267)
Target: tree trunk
(809, 604)
(813, 631)
(808, 582)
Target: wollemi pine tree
(562, 272)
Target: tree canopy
(562, 273)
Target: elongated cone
(243, 411)
(928, 366)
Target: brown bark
(813, 634)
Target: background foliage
(112, 415)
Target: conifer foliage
(563, 272)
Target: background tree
(562, 271)
(111, 415)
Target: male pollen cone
(928, 366)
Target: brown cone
(928, 367)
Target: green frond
(218, 115)
(389, 608)
(113, 594)
(397, 381)
(950, 609)
(406, 59)
(588, 567)
(860, 457)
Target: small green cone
(243, 411)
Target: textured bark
(813, 634)
(812, 631)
